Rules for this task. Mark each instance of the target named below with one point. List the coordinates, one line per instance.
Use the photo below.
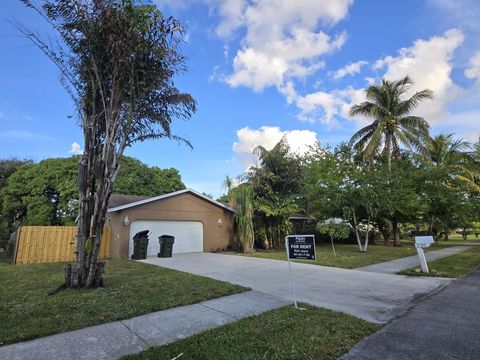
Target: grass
(452, 266)
(131, 288)
(284, 333)
(348, 256)
(456, 240)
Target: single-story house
(198, 223)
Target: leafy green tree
(334, 232)
(276, 184)
(7, 168)
(117, 59)
(450, 173)
(47, 193)
(393, 125)
(43, 193)
(137, 178)
(338, 186)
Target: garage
(198, 223)
(188, 235)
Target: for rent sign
(301, 247)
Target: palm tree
(452, 157)
(242, 198)
(393, 125)
(451, 165)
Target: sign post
(299, 247)
(422, 242)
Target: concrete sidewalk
(446, 326)
(395, 266)
(113, 340)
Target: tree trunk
(359, 241)
(396, 233)
(333, 247)
(365, 247)
(430, 226)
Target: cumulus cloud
(232, 13)
(473, 70)
(428, 62)
(268, 136)
(281, 41)
(350, 69)
(75, 149)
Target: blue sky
(259, 70)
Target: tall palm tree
(393, 125)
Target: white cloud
(350, 69)
(279, 60)
(268, 136)
(232, 13)
(428, 63)
(473, 70)
(282, 40)
(75, 149)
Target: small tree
(242, 200)
(334, 231)
(117, 59)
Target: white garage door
(188, 235)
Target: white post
(292, 280)
(423, 260)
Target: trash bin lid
(141, 235)
(166, 237)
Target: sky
(260, 70)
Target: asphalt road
(445, 326)
(374, 297)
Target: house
(198, 223)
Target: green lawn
(456, 239)
(348, 256)
(131, 288)
(285, 333)
(453, 266)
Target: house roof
(164, 196)
(117, 200)
(299, 217)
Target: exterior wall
(183, 207)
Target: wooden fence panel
(47, 244)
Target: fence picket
(46, 244)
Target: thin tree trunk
(333, 247)
(365, 247)
(396, 233)
(359, 241)
(430, 225)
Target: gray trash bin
(166, 245)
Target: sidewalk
(113, 340)
(446, 326)
(394, 266)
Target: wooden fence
(48, 244)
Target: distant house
(300, 222)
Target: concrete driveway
(374, 297)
